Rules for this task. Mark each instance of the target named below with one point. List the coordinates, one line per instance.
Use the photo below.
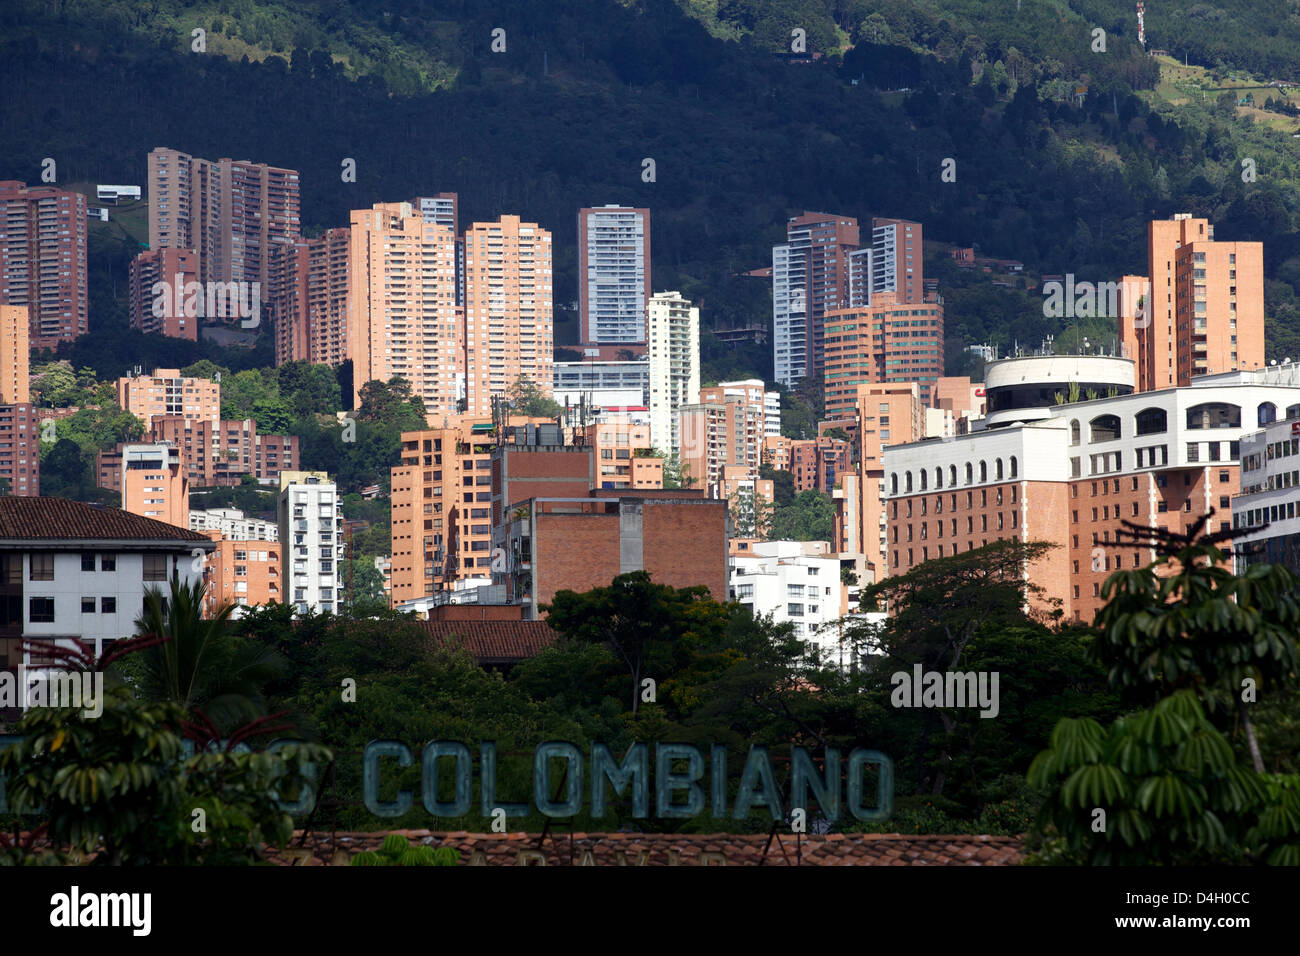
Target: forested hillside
(584, 93)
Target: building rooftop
(675, 849)
(493, 642)
(57, 519)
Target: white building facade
(311, 535)
(795, 581)
(673, 354)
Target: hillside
(741, 139)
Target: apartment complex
(886, 342)
(212, 454)
(603, 383)
(1264, 511)
(241, 572)
(233, 214)
(810, 276)
(1202, 307)
(509, 312)
(71, 570)
(613, 273)
(792, 581)
(233, 523)
(622, 455)
(311, 542)
(727, 426)
(43, 248)
(158, 281)
(310, 302)
(166, 392)
(401, 308)
(673, 357)
(20, 457)
(15, 356)
(441, 506)
(154, 483)
(1071, 473)
(897, 260)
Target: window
(1074, 432)
(108, 562)
(87, 605)
(794, 590)
(88, 561)
(1150, 421)
(814, 571)
(1214, 415)
(108, 605)
(40, 610)
(155, 567)
(1266, 413)
(794, 610)
(1103, 428)
(41, 567)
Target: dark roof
(680, 849)
(61, 518)
(494, 642)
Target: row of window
(999, 474)
(970, 501)
(1154, 421)
(1274, 450)
(1254, 517)
(40, 610)
(41, 566)
(999, 519)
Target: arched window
(1013, 466)
(908, 481)
(1266, 413)
(984, 471)
(938, 477)
(1074, 432)
(1214, 415)
(952, 475)
(893, 483)
(925, 479)
(997, 467)
(1103, 428)
(1293, 411)
(969, 473)
(1150, 421)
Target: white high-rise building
(673, 351)
(311, 538)
(613, 273)
(234, 524)
(795, 581)
(789, 313)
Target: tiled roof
(662, 849)
(492, 642)
(59, 518)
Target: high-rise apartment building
(673, 353)
(726, 427)
(166, 392)
(613, 273)
(157, 281)
(810, 276)
(309, 305)
(1264, 512)
(896, 260)
(15, 355)
(402, 317)
(883, 343)
(43, 260)
(311, 542)
(509, 314)
(20, 442)
(154, 483)
(232, 213)
(622, 461)
(1203, 310)
(243, 573)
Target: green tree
(636, 618)
(525, 398)
(751, 513)
(1199, 626)
(809, 517)
(201, 664)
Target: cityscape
(366, 511)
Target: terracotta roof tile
(58, 518)
(658, 849)
(493, 642)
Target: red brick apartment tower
(174, 268)
(43, 260)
